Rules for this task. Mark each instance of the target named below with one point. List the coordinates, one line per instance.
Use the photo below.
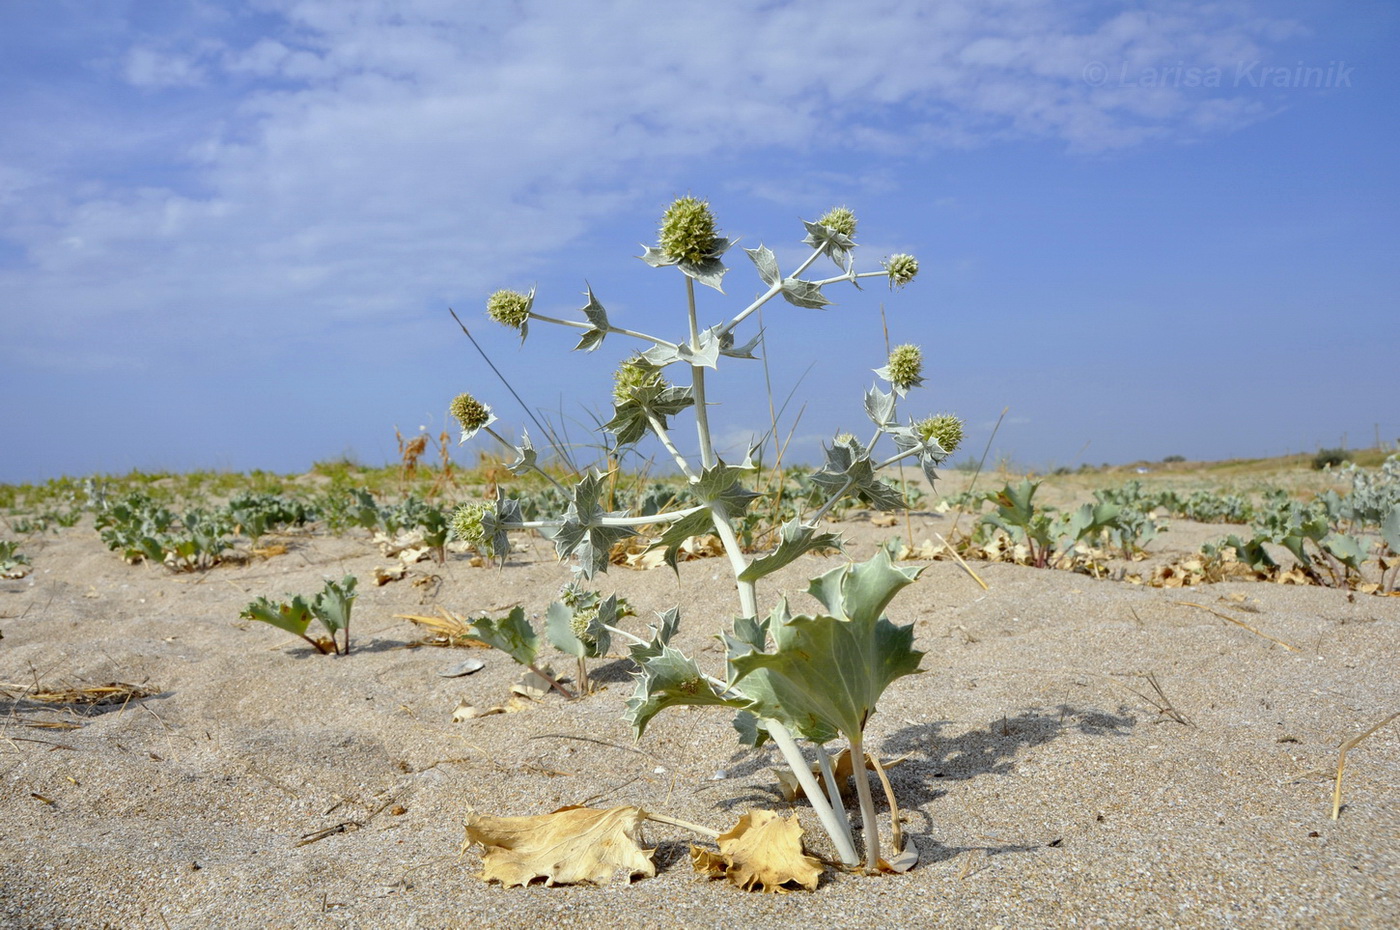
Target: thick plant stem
(840, 834)
(697, 374)
(833, 787)
(869, 827)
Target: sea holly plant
(331, 607)
(805, 678)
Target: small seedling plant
(330, 607)
(812, 677)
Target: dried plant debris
(566, 847)
(447, 630)
(762, 852)
(115, 692)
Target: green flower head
(471, 413)
(467, 525)
(510, 308)
(634, 375)
(906, 367)
(945, 429)
(840, 219)
(901, 269)
(688, 232)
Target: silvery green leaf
(559, 627)
(629, 422)
(752, 732)
(801, 293)
(525, 456)
(706, 353)
(931, 454)
(708, 271)
(496, 522)
(834, 244)
(796, 538)
(879, 406)
(598, 318)
(828, 671)
(727, 347)
(1346, 549)
(719, 489)
(1390, 529)
(661, 356)
(667, 679)
(512, 634)
(584, 533)
(767, 264)
(655, 257)
(849, 471)
(660, 635)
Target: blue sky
(230, 232)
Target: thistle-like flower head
(945, 429)
(471, 413)
(841, 219)
(906, 367)
(901, 269)
(688, 231)
(510, 308)
(467, 525)
(633, 375)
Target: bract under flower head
(841, 219)
(688, 231)
(944, 429)
(472, 414)
(510, 308)
(901, 269)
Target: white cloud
(352, 158)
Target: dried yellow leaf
(763, 851)
(568, 846)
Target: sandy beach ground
(1047, 781)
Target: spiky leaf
(801, 293)
(512, 634)
(667, 679)
(795, 539)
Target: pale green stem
(773, 290)
(840, 834)
(577, 324)
(830, 502)
(869, 827)
(748, 593)
(665, 438)
(670, 516)
(851, 277)
(511, 446)
(833, 787)
(697, 374)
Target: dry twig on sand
(1342, 761)
(1239, 623)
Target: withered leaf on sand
(568, 846)
(763, 851)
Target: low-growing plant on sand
(331, 607)
(788, 676)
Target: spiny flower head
(945, 429)
(841, 219)
(471, 413)
(467, 524)
(688, 232)
(901, 269)
(906, 367)
(510, 308)
(634, 375)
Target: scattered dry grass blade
(1347, 747)
(1239, 623)
(116, 692)
(448, 630)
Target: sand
(1048, 783)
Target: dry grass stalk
(1342, 761)
(449, 630)
(1239, 623)
(93, 695)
